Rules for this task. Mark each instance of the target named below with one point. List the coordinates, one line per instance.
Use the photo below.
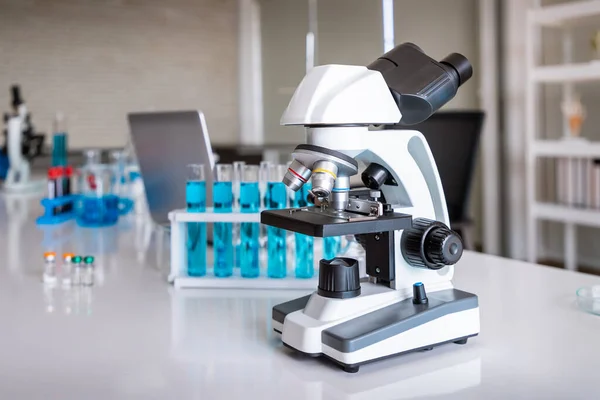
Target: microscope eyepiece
(461, 65)
(421, 85)
(17, 100)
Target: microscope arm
(406, 156)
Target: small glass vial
(50, 267)
(76, 271)
(87, 273)
(67, 269)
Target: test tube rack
(50, 206)
(178, 274)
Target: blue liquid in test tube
(195, 194)
(223, 232)
(304, 244)
(249, 248)
(276, 237)
(331, 247)
(59, 149)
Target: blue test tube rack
(179, 274)
(51, 205)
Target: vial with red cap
(53, 175)
(60, 175)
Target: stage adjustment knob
(431, 244)
(339, 278)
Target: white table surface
(133, 336)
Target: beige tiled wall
(97, 60)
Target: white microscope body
(18, 174)
(338, 104)
(19, 169)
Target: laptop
(165, 144)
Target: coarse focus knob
(431, 244)
(339, 278)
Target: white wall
(284, 25)
(98, 60)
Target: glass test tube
(276, 237)
(238, 169)
(92, 156)
(305, 267)
(249, 203)
(195, 197)
(222, 232)
(331, 247)
(263, 177)
(59, 141)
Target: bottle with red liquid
(53, 177)
(67, 186)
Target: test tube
(92, 156)
(222, 232)
(331, 247)
(305, 267)
(59, 141)
(249, 203)
(276, 237)
(263, 177)
(238, 168)
(195, 196)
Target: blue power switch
(419, 294)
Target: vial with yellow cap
(50, 267)
(87, 276)
(67, 269)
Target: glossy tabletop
(133, 336)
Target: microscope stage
(313, 222)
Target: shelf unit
(565, 148)
(580, 72)
(560, 213)
(568, 74)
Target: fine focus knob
(339, 278)
(431, 244)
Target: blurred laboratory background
(516, 147)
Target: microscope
(408, 302)
(22, 144)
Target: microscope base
(450, 316)
(353, 368)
